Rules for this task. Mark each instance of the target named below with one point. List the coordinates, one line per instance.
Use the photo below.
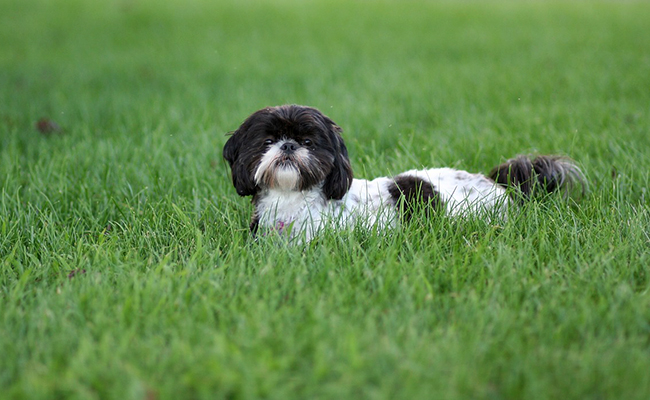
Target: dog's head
(289, 148)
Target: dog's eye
(268, 142)
(307, 142)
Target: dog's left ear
(241, 176)
(339, 180)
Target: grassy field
(126, 268)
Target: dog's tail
(532, 176)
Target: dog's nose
(289, 147)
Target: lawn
(126, 267)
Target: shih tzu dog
(293, 161)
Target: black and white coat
(293, 162)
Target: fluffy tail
(539, 175)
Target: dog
(293, 161)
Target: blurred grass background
(127, 270)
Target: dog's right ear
(242, 178)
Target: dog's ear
(242, 178)
(339, 180)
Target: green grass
(126, 268)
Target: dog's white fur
(293, 161)
(368, 202)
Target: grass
(126, 268)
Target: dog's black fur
(308, 144)
(539, 175)
(242, 150)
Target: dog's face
(289, 148)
